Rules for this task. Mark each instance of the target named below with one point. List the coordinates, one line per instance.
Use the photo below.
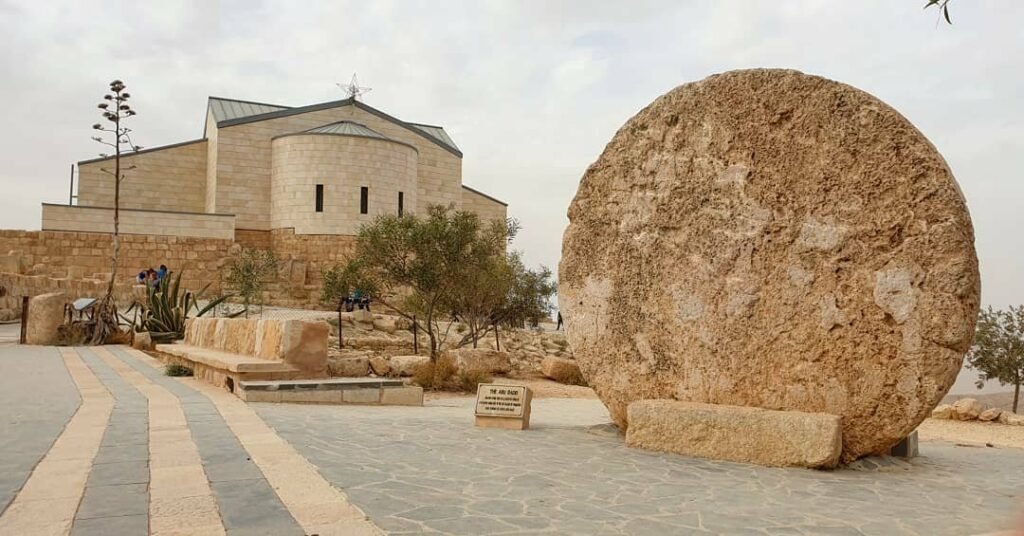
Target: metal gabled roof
(227, 109)
(435, 132)
(348, 128)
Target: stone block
(380, 365)
(990, 414)
(361, 396)
(500, 422)
(385, 324)
(45, 315)
(967, 409)
(1013, 419)
(410, 395)
(906, 448)
(11, 263)
(304, 345)
(268, 339)
(259, 396)
(736, 433)
(142, 341)
(561, 370)
(482, 360)
(944, 411)
(310, 396)
(362, 316)
(239, 335)
(348, 366)
(406, 365)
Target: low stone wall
(298, 343)
(145, 222)
(17, 285)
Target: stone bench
(366, 391)
(228, 351)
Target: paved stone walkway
(37, 398)
(429, 471)
(148, 454)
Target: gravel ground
(1000, 435)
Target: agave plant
(166, 309)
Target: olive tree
(998, 350)
(249, 272)
(415, 266)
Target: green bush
(177, 370)
(166, 309)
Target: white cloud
(531, 91)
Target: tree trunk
(1016, 395)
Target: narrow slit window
(364, 200)
(319, 197)
(401, 204)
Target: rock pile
(969, 409)
(771, 239)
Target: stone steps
(365, 391)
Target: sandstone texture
(348, 366)
(406, 365)
(142, 341)
(45, 315)
(561, 370)
(967, 409)
(736, 433)
(482, 360)
(943, 411)
(990, 414)
(771, 239)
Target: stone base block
(906, 448)
(736, 433)
(508, 423)
(409, 395)
(361, 396)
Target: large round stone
(772, 239)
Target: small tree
(249, 272)
(414, 265)
(505, 292)
(115, 110)
(998, 351)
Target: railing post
(24, 319)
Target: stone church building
(297, 180)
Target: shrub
(71, 335)
(444, 375)
(467, 381)
(177, 370)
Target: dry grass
(444, 375)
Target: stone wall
(170, 178)
(243, 162)
(87, 255)
(156, 222)
(342, 164)
(485, 207)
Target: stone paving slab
(37, 398)
(429, 471)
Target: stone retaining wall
(84, 256)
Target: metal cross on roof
(353, 89)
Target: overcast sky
(530, 90)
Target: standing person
(141, 278)
(559, 326)
(161, 273)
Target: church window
(319, 197)
(364, 200)
(401, 203)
